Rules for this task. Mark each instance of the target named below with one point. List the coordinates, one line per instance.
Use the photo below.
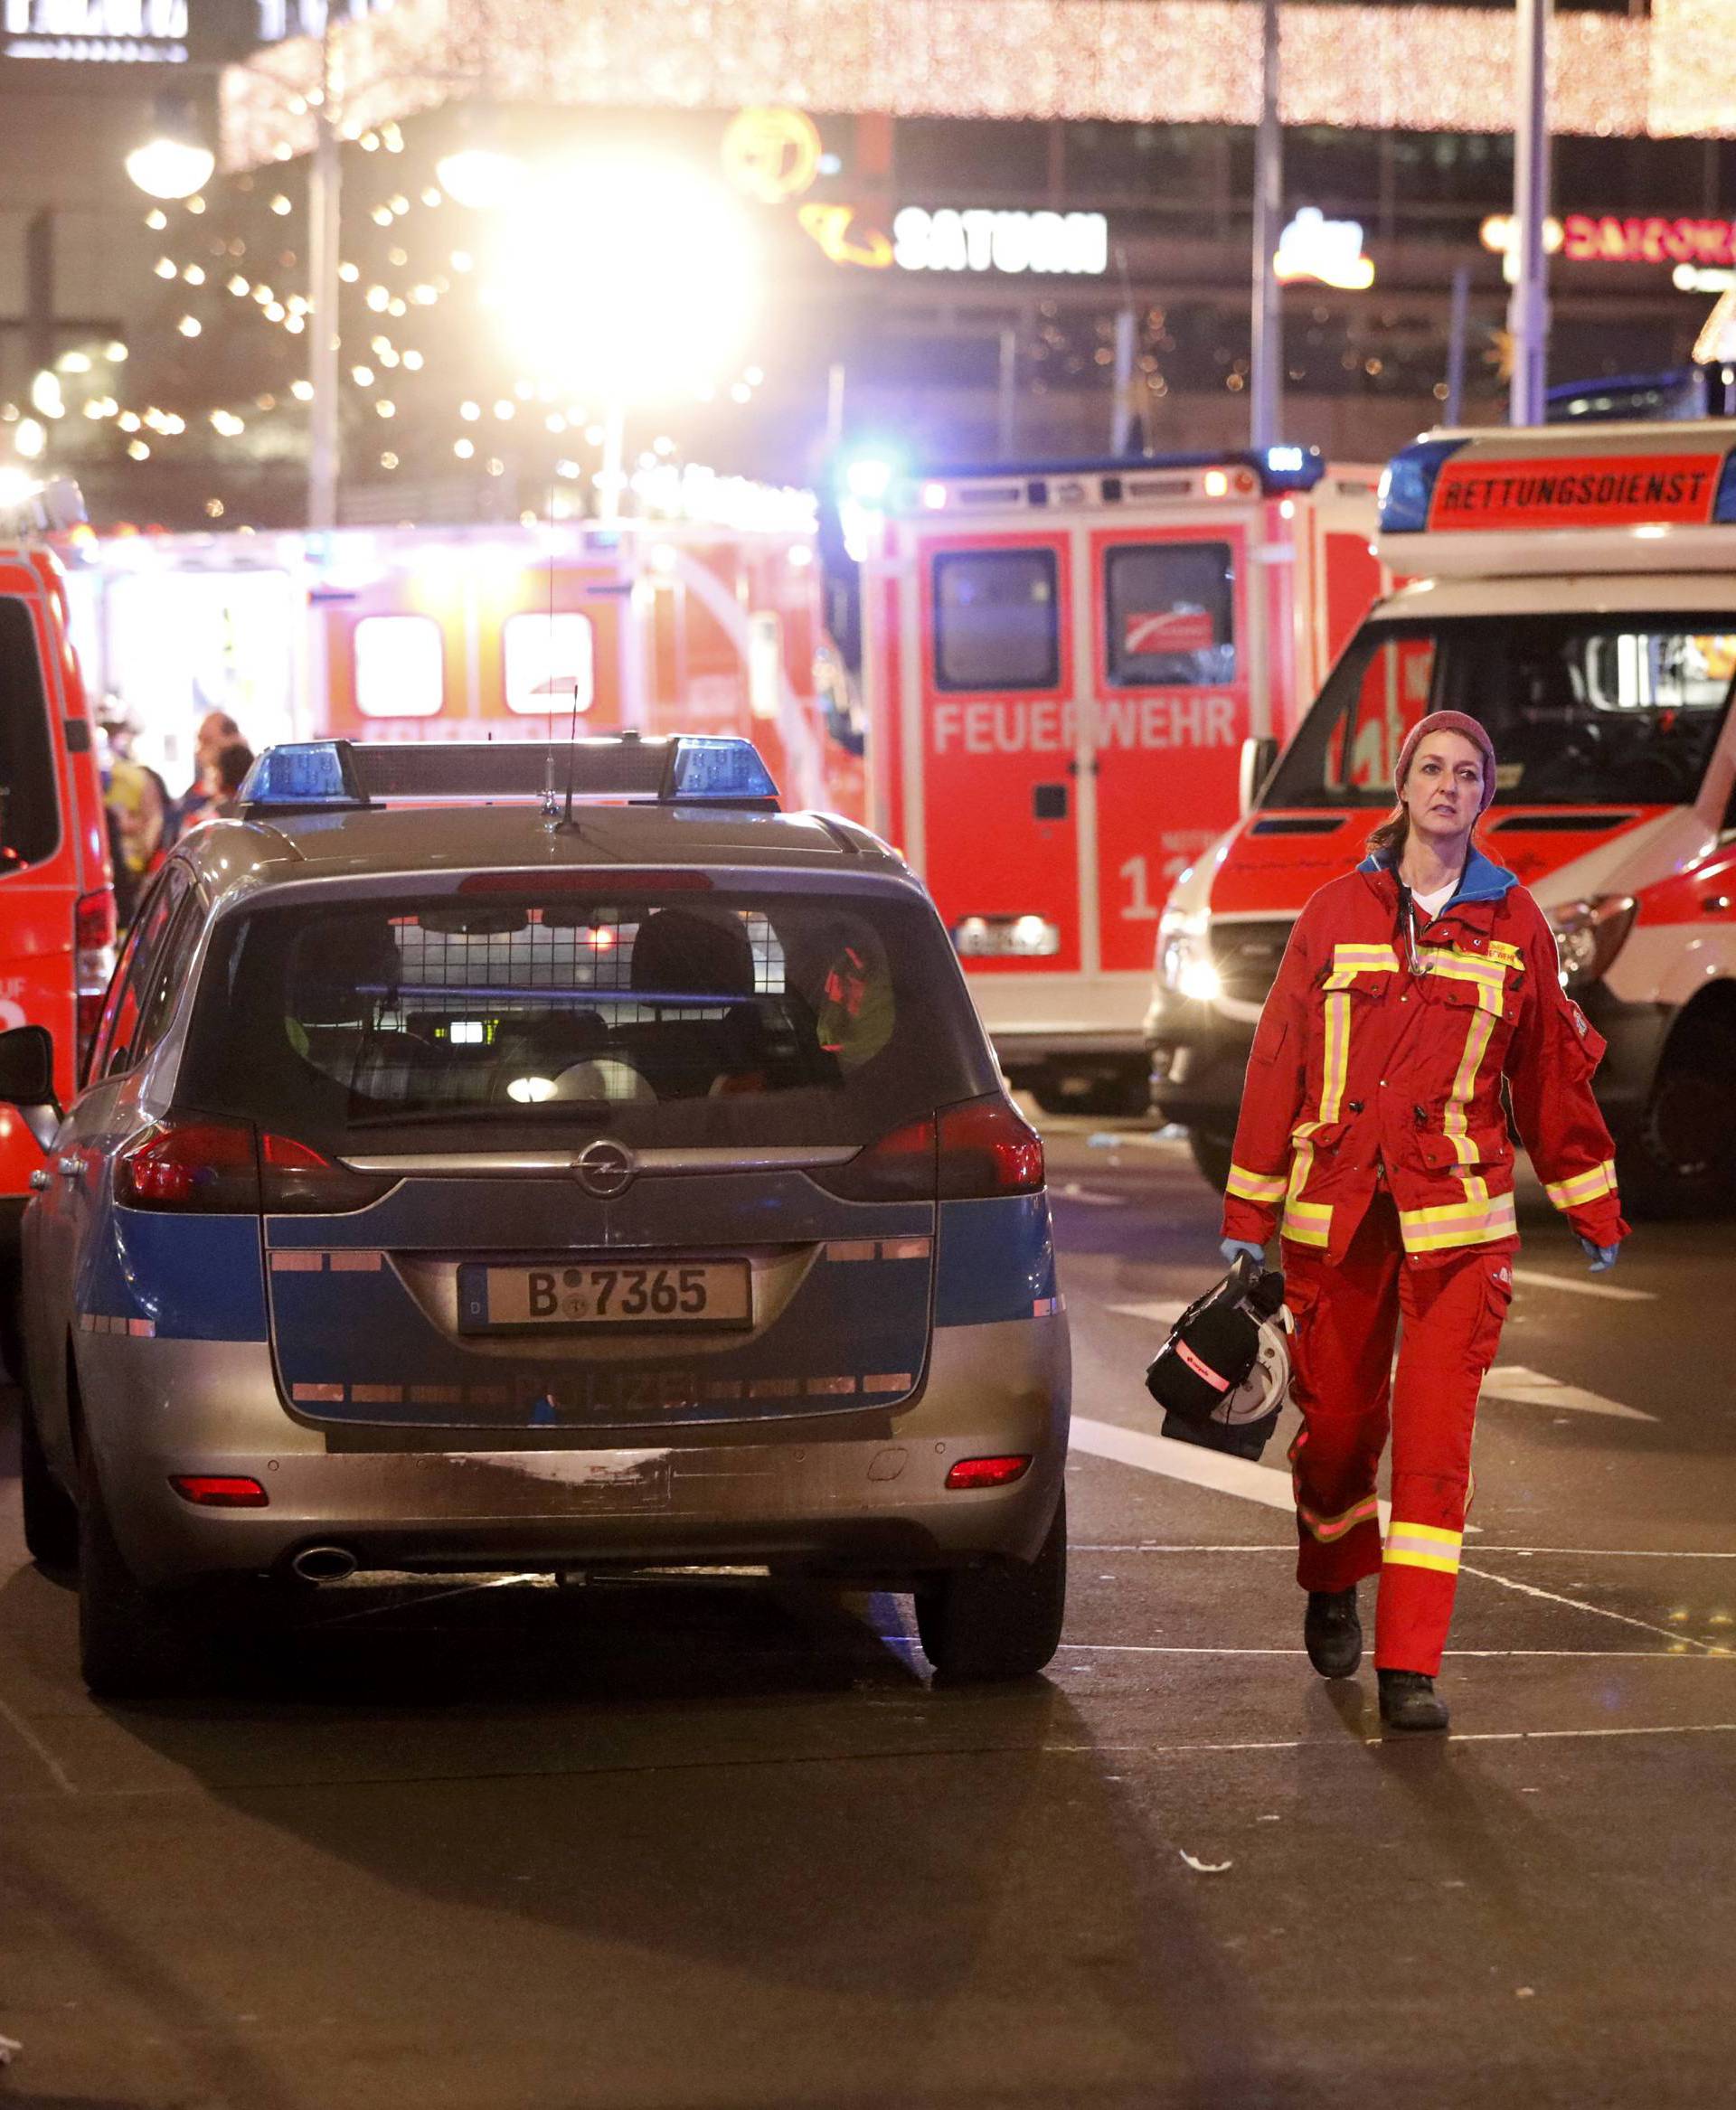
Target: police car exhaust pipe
(323, 1564)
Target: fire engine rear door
(1171, 673)
(996, 835)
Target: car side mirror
(1258, 755)
(27, 1080)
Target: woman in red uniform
(1371, 1118)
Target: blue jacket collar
(1482, 880)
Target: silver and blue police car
(515, 1159)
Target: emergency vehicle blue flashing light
(720, 768)
(306, 775)
(1723, 507)
(1408, 486)
(1293, 467)
(868, 476)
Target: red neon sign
(1647, 239)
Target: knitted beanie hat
(1449, 721)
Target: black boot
(1409, 1701)
(1332, 1633)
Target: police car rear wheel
(130, 1644)
(1001, 1622)
(50, 1518)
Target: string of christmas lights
(1422, 69)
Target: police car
(511, 1158)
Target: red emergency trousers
(1371, 1115)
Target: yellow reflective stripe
(1583, 1186)
(1426, 1546)
(1474, 1221)
(1508, 954)
(1442, 1533)
(1254, 1186)
(1328, 1528)
(1302, 1231)
(1401, 1556)
(1476, 1045)
(1337, 1058)
(1348, 960)
(1486, 978)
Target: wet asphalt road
(513, 1848)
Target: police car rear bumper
(856, 1495)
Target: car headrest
(690, 955)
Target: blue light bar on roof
(335, 775)
(1408, 486)
(306, 775)
(727, 769)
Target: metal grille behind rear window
(716, 1021)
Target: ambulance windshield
(1583, 710)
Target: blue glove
(1601, 1256)
(1232, 1250)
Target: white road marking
(1511, 1382)
(1271, 1490)
(1189, 1461)
(1093, 1197)
(1540, 1279)
(28, 1736)
(1508, 1582)
(1161, 1313)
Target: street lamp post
(1265, 393)
(1528, 307)
(325, 180)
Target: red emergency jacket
(1381, 1059)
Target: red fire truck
(1575, 591)
(1060, 663)
(57, 903)
(505, 632)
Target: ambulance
(1575, 591)
(1060, 663)
(704, 621)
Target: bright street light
(628, 279)
(171, 168)
(480, 177)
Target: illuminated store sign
(108, 32)
(1329, 251)
(979, 240)
(1590, 238)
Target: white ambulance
(1061, 665)
(1575, 591)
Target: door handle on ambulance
(69, 1168)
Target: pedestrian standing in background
(139, 810)
(217, 731)
(227, 774)
(1372, 1118)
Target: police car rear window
(29, 809)
(696, 1019)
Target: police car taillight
(986, 1147)
(968, 1151)
(899, 1167)
(296, 1177)
(201, 1163)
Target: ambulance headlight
(1185, 956)
(1589, 934)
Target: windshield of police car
(695, 1019)
(1583, 710)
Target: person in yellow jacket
(1372, 1119)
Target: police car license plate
(605, 1293)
